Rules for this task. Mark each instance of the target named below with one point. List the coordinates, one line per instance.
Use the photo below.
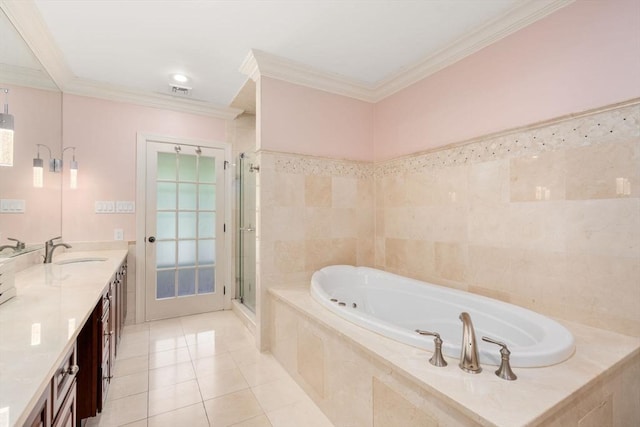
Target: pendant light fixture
(6, 133)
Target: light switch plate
(105, 207)
(12, 206)
(123, 206)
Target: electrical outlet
(118, 234)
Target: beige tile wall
(552, 225)
(312, 213)
(547, 217)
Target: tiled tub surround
(359, 378)
(546, 217)
(312, 212)
(41, 323)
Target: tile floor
(201, 370)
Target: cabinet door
(41, 414)
(67, 415)
(63, 379)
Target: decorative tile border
(597, 128)
(602, 126)
(307, 165)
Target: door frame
(141, 238)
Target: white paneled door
(184, 223)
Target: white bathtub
(395, 306)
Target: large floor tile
(132, 365)
(127, 385)
(124, 411)
(166, 343)
(169, 357)
(259, 421)
(232, 408)
(265, 370)
(302, 413)
(279, 393)
(213, 364)
(191, 416)
(221, 383)
(173, 397)
(172, 374)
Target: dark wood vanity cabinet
(57, 405)
(97, 346)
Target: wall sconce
(6, 133)
(55, 165)
(73, 169)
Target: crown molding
(259, 63)
(83, 87)
(28, 77)
(26, 18)
(518, 17)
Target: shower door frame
(140, 248)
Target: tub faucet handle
(437, 359)
(504, 371)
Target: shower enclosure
(246, 237)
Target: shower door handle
(247, 229)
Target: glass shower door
(246, 250)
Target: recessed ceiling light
(179, 78)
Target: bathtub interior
(395, 306)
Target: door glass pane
(166, 225)
(187, 225)
(186, 281)
(207, 170)
(166, 195)
(187, 196)
(207, 197)
(186, 253)
(166, 254)
(207, 225)
(165, 285)
(166, 166)
(187, 167)
(206, 280)
(206, 252)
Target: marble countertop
(484, 396)
(41, 323)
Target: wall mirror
(29, 214)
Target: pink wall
(298, 119)
(37, 116)
(104, 134)
(584, 56)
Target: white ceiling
(137, 44)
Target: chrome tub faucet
(469, 360)
(49, 247)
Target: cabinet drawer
(67, 415)
(41, 415)
(63, 379)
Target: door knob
(152, 239)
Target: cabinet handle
(108, 334)
(110, 377)
(71, 370)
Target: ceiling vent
(179, 90)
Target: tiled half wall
(546, 217)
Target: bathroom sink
(79, 260)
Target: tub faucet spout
(469, 361)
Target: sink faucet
(18, 246)
(469, 361)
(49, 247)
